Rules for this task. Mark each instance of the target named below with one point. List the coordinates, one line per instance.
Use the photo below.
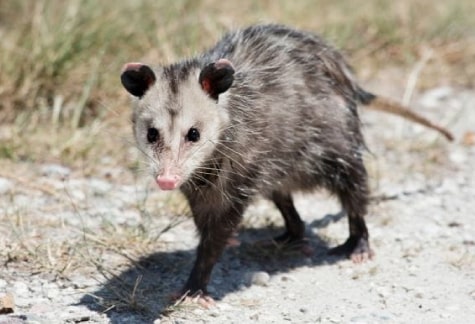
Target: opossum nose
(168, 182)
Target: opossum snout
(168, 182)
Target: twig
(414, 76)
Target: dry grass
(45, 229)
(60, 98)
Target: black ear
(137, 78)
(217, 77)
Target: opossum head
(179, 115)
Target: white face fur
(177, 131)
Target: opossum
(268, 110)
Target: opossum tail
(382, 104)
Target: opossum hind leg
(294, 235)
(352, 191)
(356, 246)
(294, 226)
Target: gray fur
(289, 122)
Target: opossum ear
(217, 77)
(137, 78)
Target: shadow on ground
(141, 293)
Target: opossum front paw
(357, 249)
(198, 298)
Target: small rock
(99, 187)
(260, 278)
(78, 194)
(5, 186)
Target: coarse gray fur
(288, 122)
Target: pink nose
(168, 182)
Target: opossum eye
(193, 135)
(152, 135)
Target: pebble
(77, 194)
(5, 186)
(99, 187)
(260, 278)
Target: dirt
(106, 248)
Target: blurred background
(60, 95)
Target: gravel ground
(421, 223)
